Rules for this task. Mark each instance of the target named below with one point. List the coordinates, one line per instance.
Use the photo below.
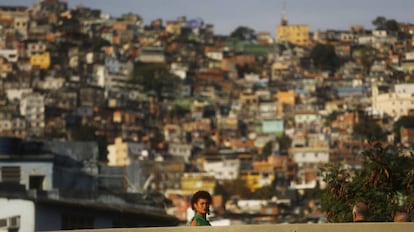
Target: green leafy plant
(385, 182)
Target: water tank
(9, 145)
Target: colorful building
(41, 61)
(295, 34)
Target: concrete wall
(28, 169)
(341, 227)
(16, 207)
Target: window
(3, 222)
(36, 182)
(10, 174)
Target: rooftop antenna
(284, 18)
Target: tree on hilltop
(391, 26)
(244, 33)
(382, 23)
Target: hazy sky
(260, 15)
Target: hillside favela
(110, 122)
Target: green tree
(391, 26)
(178, 111)
(236, 187)
(385, 183)
(369, 130)
(98, 42)
(402, 122)
(83, 133)
(379, 22)
(324, 57)
(331, 117)
(265, 193)
(284, 142)
(209, 142)
(382, 23)
(244, 34)
(267, 149)
(365, 55)
(155, 78)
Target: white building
(32, 107)
(214, 54)
(10, 55)
(52, 83)
(123, 153)
(377, 39)
(307, 117)
(99, 75)
(36, 48)
(394, 104)
(404, 89)
(227, 169)
(179, 69)
(309, 160)
(152, 55)
(309, 155)
(180, 150)
(16, 94)
(267, 110)
(17, 215)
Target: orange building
(284, 98)
(41, 61)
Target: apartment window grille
(10, 174)
(3, 223)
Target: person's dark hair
(360, 208)
(200, 195)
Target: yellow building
(283, 99)
(41, 61)
(192, 182)
(262, 175)
(255, 180)
(295, 34)
(5, 67)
